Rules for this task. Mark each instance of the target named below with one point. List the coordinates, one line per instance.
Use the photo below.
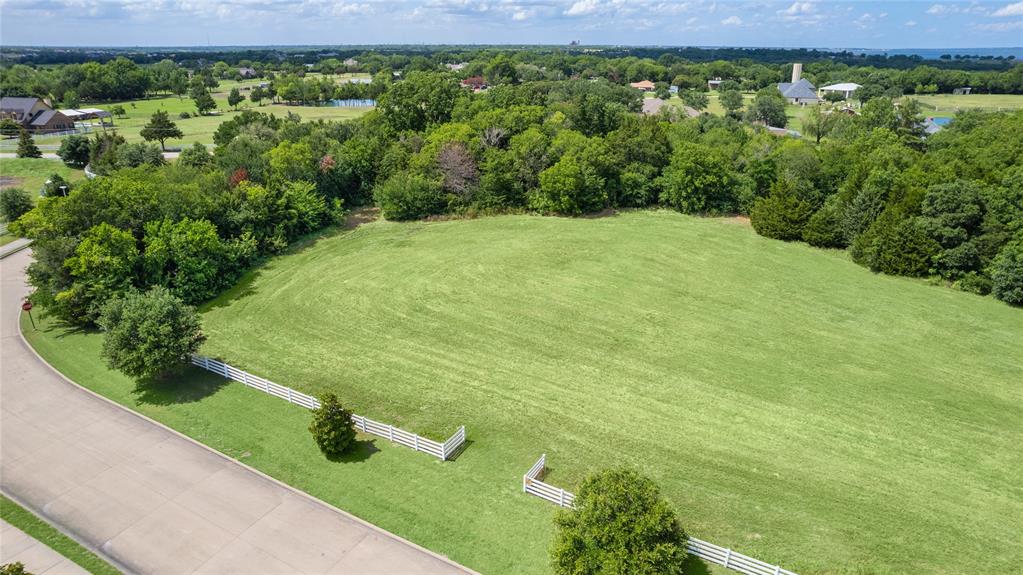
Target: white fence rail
(444, 450)
(532, 484)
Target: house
(714, 84)
(673, 90)
(86, 114)
(935, 125)
(456, 67)
(246, 72)
(845, 88)
(351, 63)
(645, 85)
(34, 115)
(964, 91)
(799, 91)
(652, 106)
(476, 83)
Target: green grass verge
(950, 103)
(46, 534)
(6, 239)
(30, 174)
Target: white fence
(532, 484)
(444, 450)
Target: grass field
(950, 103)
(43, 532)
(31, 173)
(197, 128)
(791, 404)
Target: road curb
(4, 253)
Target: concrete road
(16, 546)
(154, 501)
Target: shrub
(148, 334)
(698, 179)
(620, 526)
(74, 150)
(895, 244)
(13, 203)
(781, 215)
(824, 229)
(16, 568)
(184, 115)
(974, 282)
(332, 426)
(1007, 273)
(196, 156)
(409, 197)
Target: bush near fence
(532, 484)
(443, 451)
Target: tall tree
(234, 97)
(27, 146)
(160, 128)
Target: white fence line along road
(443, 451)
(533, 485)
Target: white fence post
(728, 556)
(363, 424)
(561, 497)
(777, 570)
(416, 441)
(390, 432)
(289, 396)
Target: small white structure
(845, 88)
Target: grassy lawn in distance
(949, 103)
(43, 532)
(791, 404)
(30, 174)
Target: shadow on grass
(461, 448)
(362, 450)
(188, 386)
(696, 566)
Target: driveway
(154, 501)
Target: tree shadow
(187, 386)
(360, 451)
(695, 566)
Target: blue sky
(825, 23)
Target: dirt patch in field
(361, 216)
(10, 182)
(737, 220)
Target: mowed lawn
(790, 403)
(30, 174)
(952, 103)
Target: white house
(845, 88)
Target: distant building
(351, 63)
(34, 115)
(476, 83)
(799, 91)
(645, 85)
(246, 72)
(652, 106)
(964, 91)
(714, 84)
(456, 67)
(935, 125)
(673, 90)
(846, 89)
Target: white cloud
(957, 8)
(798, 8)
(1010, 10)
(732, 21)
(583, 7)
(910, 23)
(1001, 26)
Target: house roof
(843, 87)
(475, 81)
(652, 106)
(802, 89)
(15, 104)
(44, 117)
(643, 85)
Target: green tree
(409, 197)
(699, 179)
(197, 156)
(204, 102)
(257, 95)
(824, 228)
(817, 123)
(188, 257)
(146, 335)
(781, 215)
(74, 150)
(731, 101)
(1007, 273)
(695, 99)
(13, 203)
(102, 267)
(27, 146)
(161, 129)
(768, 108)
(332, 427)
(951, 215)
(234, 97)
(621, 525)
(422, 99)
(569, 187)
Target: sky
(788, 24)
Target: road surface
(154, 501)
